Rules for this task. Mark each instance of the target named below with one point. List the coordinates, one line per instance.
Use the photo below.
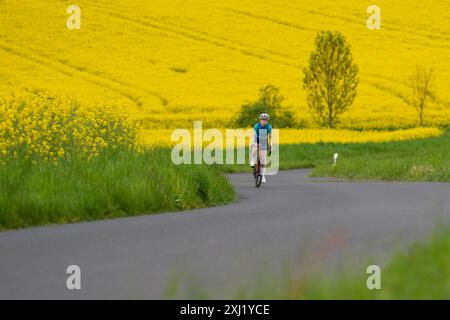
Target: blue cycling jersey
(262, 132)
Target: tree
(330, 79)
(421, 82)
(270, 101)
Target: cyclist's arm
(269, 136)
(255, 135)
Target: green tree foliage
(421, 82)
(270, 101)
(330, 79)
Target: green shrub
(269, 101)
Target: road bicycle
(257, 168)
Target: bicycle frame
(257, 170)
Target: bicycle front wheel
(258, 180)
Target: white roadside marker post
(335, 157)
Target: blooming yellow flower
(52, 127)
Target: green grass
(422, 272)
(416, 160)
(116, 184)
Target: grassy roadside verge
(415, 160)
(115, 184)
(422, 272)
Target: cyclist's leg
(253, 155)
(263, 159)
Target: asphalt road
(292, 222)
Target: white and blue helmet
(264, 116)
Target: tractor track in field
(96, 78)
(200, 36)
(203, 36)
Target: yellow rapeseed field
(155, 137)
(50, 128)
(176, 61)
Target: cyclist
(262, 137)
